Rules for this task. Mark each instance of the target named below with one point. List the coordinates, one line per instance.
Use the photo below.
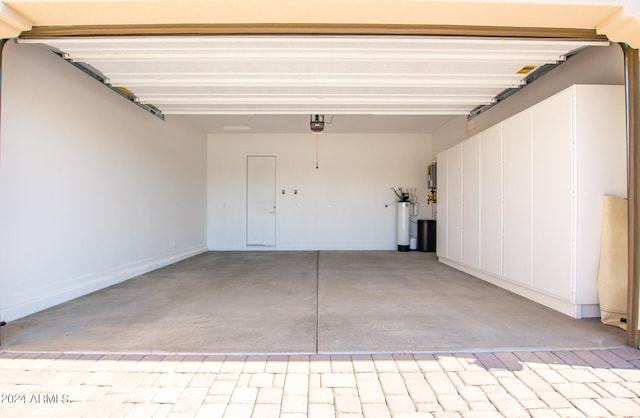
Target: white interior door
(261, 200)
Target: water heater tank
(403, 226)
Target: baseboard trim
(384, 247)
(57, 293)
(564, 306)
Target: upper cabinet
(527, 205)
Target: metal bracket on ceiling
(530, 78)
(533, 76)
(122, 91)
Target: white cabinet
(443, 207)
(454, 203)
(600, 169)
(524, 197)
(471, 202)
(516, 142)
(491, 200)
(553, 209)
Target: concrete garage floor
(304, 302)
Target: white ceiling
(397, 76)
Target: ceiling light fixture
(236, 128)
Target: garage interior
(114, 193)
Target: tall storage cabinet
(442, 216)
(526, 210)
(470, 200)
(454, 203)
(517, 198)
(553, 194)
(491, 201)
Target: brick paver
(528, 384)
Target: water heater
(404, 208)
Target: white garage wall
(339, 206)
(93, 190)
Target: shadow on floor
(304, 302)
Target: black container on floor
(426, 235)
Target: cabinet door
(491, 200)
(516, 143)
(601, 170)
(454, 203)
(553, 164)
(471, 202)
(441, 214)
